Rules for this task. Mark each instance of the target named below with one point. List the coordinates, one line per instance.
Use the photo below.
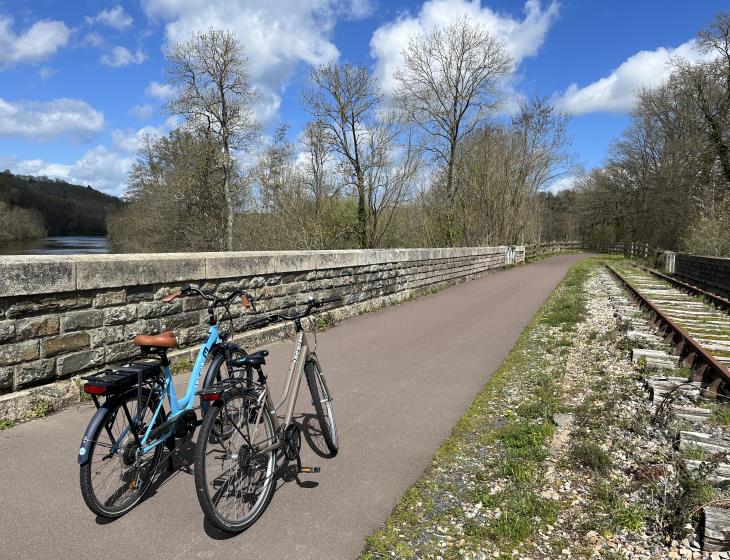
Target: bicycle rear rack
(120, 379)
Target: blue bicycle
(123, 444)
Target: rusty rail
(706, 367)
(714, 299)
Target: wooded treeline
(32, 207)
(666, 181)
(435, 164)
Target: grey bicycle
(242, 435)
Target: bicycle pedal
(309, 470)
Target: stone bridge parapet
(64, 315)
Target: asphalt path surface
(401, 378)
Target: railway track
(696, 322)
(692, 406)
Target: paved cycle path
(401, 378)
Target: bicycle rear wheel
(117, 474)
(234, 473)
(323, 406)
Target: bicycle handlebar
(311, 304)
(246, 298)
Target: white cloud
(120, 56)
(93, 39)
(522, 37)
(158, 90)
(99, 167)
(562, 184)
(46, 72)
(277, 36)
(141, 112)
(114, 17)
(38, 42)
(44, 120)
(616, 92)
(131, 141)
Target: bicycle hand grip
(171, 297)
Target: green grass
(591, 456)
(608, 510)
(720, 415)
(181, 365)
(83, 396)
(6, 424)
(521, 434)
(39, 409)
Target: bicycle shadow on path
(183, 457)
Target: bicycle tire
(100, 506)
(323, 407)
(208, 436)
(214, 375)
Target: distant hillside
(66, 209)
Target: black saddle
(254, 359)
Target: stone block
(17, 352)
(180, 320)
(120, 351)
(25, 275)
(85, 319)
(54, 304)
(7, 330)
(64, 343)
(109, 298)
(152, 309)
(107, 335)
(111, 271)
(143, 326)
(193, 303)
(120, 315)
(191, 335)
(136, 294)
(78, 361)
(35, 327)
(6, 377)
(29, 373)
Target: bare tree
(214, 96)
(344, 104)
(447, 86)
(319, 155)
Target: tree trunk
(229, 200)
(361, 227)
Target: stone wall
(710, 272)
(62, 316)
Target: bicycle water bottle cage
(122, 378)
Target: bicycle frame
(177, 406)
(300, 357)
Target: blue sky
(82, 81)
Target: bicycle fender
(86, 441)
(96, 420)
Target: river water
(58, 245)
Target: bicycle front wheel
(322, 401)
(234, 469)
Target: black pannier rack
(124, 377)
